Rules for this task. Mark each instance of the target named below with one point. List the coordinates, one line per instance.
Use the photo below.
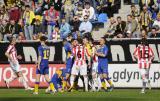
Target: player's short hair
(73, 40)
(119, 17)
(104, 39)
(79, 40)
(43, 38)
(144, 41)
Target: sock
(36, 86)
(144, 81)
(86, 83)
(94, 83)
(64, 84)
(72, 81)
(109, 81)
(103, 84)
(23, 81)
(51, 85)
(144, 85)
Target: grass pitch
(116, 95)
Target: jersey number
(79, 54)
(46, 54)
(145, 54)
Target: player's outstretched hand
(19, 57)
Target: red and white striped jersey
(144, 54)
(12, 52)
(80, 54)
(94, 56)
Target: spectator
(10, 29)
(157, 21)
(52, 17)
(158, 3)
(154, 33)
(45, 5)
(19, 29)
(147, 3)
(14, 13)
(2, 29)
(28, 17)
(56, 33)
(64, 29)
(111, 29)
(79, 12)
(89, 11)
(3, 14)
(38, 28)
(75, 23)
(134, 12)
(145, 18)
(120, 28)
(85, 26)
(57, 4)
(68, 8)
(131, 27)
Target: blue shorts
(43, 71)
(103, 68)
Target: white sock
(23, 81)
(72, 80)
(86, 83)
(94, 83)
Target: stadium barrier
(122, 66)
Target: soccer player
(102, 54)
(94, 67)
(144, 55)
(68, 50)
(11, 54)
(58, 80)
(42, 66)
(79, 66)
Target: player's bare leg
(36, 87)
(8, 81)
(51, 85)
(24, 82)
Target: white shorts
(15, 66)
(79, 69)
(94, 68)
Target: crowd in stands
(59, 19)
(142, 21)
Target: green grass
(116, 95)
